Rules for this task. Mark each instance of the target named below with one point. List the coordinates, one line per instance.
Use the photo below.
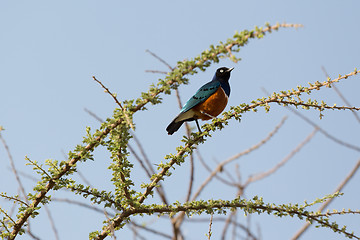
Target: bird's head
(223, 73)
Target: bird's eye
(221, 70)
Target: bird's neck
(226, 86)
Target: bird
(207, 103)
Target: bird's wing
(201, 95)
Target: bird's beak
(230, 69)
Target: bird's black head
(223, 73)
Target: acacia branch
(51, 183)
(248, 206)
(341, 95)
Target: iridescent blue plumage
(201, 95)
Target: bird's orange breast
(212, 106)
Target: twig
(325, 133)
(149, 168)
(232, 215)
(145, 157)
(341, 95)
(34, 163)
(21, 186)
(151, 230)
(226, 225)
(116, 100)
(108, 219)
(314, 106)
(210, 224)
(231, 182)
(137, 157)
(203, 162)
(51, 220)
(93, 115)
(223, 219)
(25, 175)
(84, 178)
(234, 228)
(31, 234)
(263, 175)
(156, 71)
(9, 218)
(15, 199)
(84, 205)
(191, 180)
(108, 91)
(136, 235)
(328, 135)
(13, 168)
(188, 133)
(160, 59)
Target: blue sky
(50, 51)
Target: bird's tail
(174, 126)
